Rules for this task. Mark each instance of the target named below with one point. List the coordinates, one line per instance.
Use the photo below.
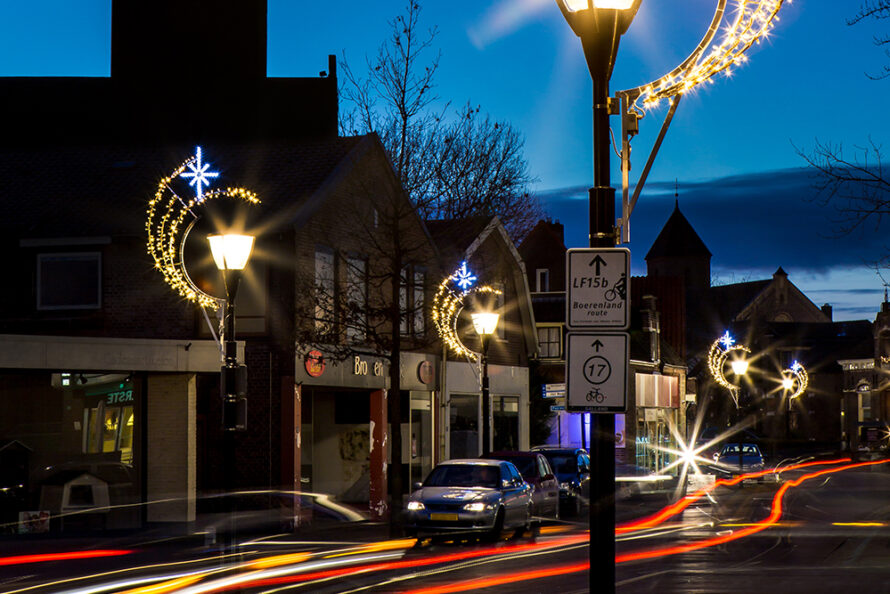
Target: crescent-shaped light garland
(797, 371)
(717, 355)
(166, 217)
(752, 22)
(447, 305)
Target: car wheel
(495, 533)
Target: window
(324, 291)
(69, 281)
(403, 302)
(418, 305)
(549, 342)
(542, 280)
(357, 299)
(499, 307)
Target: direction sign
(553, 390)
(597, 371)
(599, 288)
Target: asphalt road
(824, 528)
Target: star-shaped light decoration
(727, 340)
(199, 175)
(463, 277)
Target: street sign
(553, 390)
(557, 407)
(599, 288)
(597, 371)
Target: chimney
(827, 310)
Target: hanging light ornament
(720, 350)
(796, 374)
(448, 303)
(170, 218)
(749, 23)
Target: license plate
(444, 517)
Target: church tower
(678, 251)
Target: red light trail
(40, 558)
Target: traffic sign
(553, 390)
(597, 371)
(599, 288)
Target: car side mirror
(547, 477)
(417, 486)
(505, 484)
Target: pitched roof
(677, 239)
(454, 236)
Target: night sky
(731, 147)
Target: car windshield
(525, 465)
(464, 475)
(563, 463)
(747, 450)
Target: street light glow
(740, 366)
(485, 323)
(231, 251)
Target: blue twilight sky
(731, 145)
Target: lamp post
(600, 24)
(231, 253)
(485, 324)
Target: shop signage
(314, 363)
(425, 372)
(362, 367)
(119, 397)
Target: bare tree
(854, 181)
(450, 165)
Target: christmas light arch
(717, 355)
(448, 303)
(798, 375)
(751, 22)
(170, 218)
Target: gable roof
(677, 239)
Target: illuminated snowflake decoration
(717, 361)
(463, 277)
(169, 220)
(199, 174)
(447, 305)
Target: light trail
(678, 507)
(65, 556)
(771, 520)
(500, 580)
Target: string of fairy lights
(795, 379)
(170, 217)
(448, 303)
(751, 22)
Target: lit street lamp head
(485, 323)
(231, 251)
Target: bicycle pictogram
(619, 290)
(594, 395)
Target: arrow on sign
(597, 345)
(598, 262)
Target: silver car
(470, 495)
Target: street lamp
(485, 324)
(231, 252)
(600, 24)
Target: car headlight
(477, 506)
(415, 506)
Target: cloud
(753, 224)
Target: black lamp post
(485, 325)
(600, 25)
(231, 253)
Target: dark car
(732, 460)
(535, 469)
(470, 495)
(572, 469)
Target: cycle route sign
(597, 371)
(598, 288)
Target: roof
(677, 239)
(105, 190)
(454, 236)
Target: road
(818, 528)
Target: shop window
(109, 429)
(549, 342)
(69, 281)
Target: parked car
(572, 469)
(732, 460)
(470, 495)
(535, 469)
